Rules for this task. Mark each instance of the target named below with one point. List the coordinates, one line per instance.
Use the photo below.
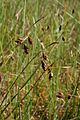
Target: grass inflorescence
(39, 60)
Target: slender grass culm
(39, 60)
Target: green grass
(28, 90)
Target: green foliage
(39, 60)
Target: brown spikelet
(42, 29)
(30, 40)
(63, 38)
(47, 27)
(44, 56)
(60, 28)
(73, 11)
(26, 49)
(60, 95)
(19, 41)
(43, 65)
(69, 96)
(50, 75)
